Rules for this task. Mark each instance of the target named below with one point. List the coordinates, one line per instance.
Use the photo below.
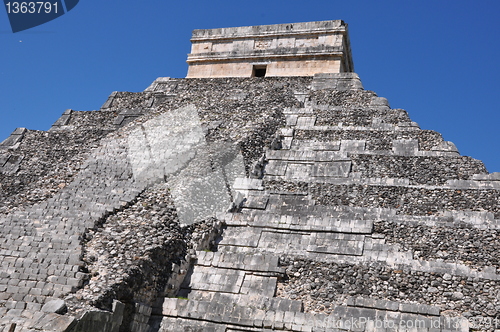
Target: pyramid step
(244, 318)
(215, 312)
(308, 171)
(266, 264)
(204, 278)
(303, 223)
(290, 242)
(214, 279)
(314, 145)
(171, 324)
(298, 111)
(255, 301)
(301, 204)
(307, 155)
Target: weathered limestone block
(63, 120)
(14, 138)
(337, 81)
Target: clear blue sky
(437, 59)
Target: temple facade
(298, 49)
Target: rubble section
(418, 200)
(461, 242)
(126, 242)
(322, 285)
(41, 164)
(419, 170)
(133, 257)
(246, 112)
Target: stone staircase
(237, 287)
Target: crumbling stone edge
(115, 306)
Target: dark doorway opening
(259, 71)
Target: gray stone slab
(379, 101)
(296, 171)
(56, 306)
(334, 243)
(291, 119)
(314, 145)
(64, 119)
(258, 318)
(54, 322)
(4, 157)
(306, 121)
(282, 304)
(405, 147)
(332, 169)
(286, 132)
(19, 131)
(241, 236)
(109, 101)
(119, 120)
(256, 202)
(275, 167)
(268, 321)
(417, 308)
(487, 177)
(352, 145)
(283, 242)
(445, 146)
(337, 81)
(14, 138)
(290, 155)
(247, 184)
(376, 303)
(132, 112)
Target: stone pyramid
(299, 203)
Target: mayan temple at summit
(266, 191)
